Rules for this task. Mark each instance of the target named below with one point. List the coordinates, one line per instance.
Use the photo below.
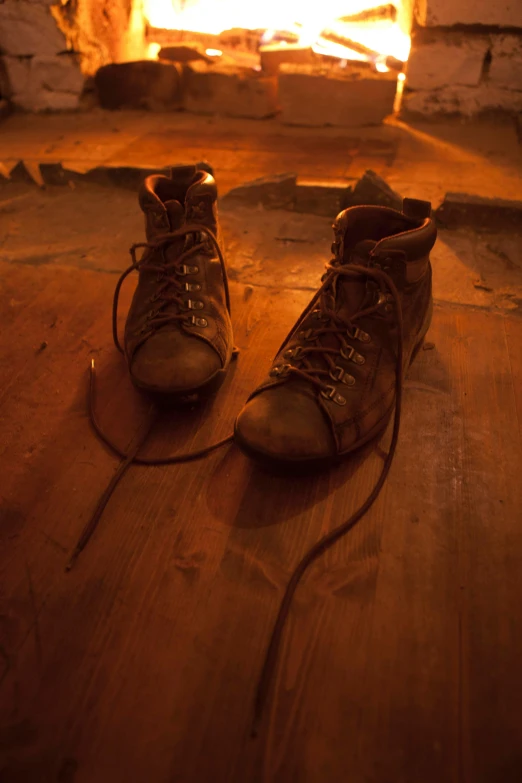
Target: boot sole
(184, 395)
(290, 466)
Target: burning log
(279, 36)
(184, 53)
(166, 37)
(333, 37)
(273, 55)
(381, 13)
(237, 38)
(192, 52)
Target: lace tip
(72, 560)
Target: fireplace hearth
(343, 62)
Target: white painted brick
(504, 13)
(28, 28)
(314, 96)
(467, 101)
(46, 100)
(43, 83)
(62, 73)
(506, 63)
(16, 75)
(451, 58)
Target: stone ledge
(49, 173)
(487, 214)
(55, 173)
(316, 197)
(274, 192)
(463, 100)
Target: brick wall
(49, 47)
(466, 57)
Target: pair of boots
(334, 381)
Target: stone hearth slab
(314, 96)
(230, 91)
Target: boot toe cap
(284, 425)
(172, 362)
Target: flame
(307, 23)
(153, 50)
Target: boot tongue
(360, 254)
(353, 291)
(175, 213)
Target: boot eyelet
(351, 355)
(195, 304)
(195, 321)
(293, 353)
(363, 337)
(185, 269)
(191, 287)
(280, 370)
(388, 308)
(347, 352)
(331, 393)
(389, 297)
(306, 335)
(338, 374)
(319, 315)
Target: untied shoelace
(335, 271)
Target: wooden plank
(513, 328)
(400, 656)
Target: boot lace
(170, 291)
(325, 301)
(345, 330)
(170, 277)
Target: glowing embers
(351, 30)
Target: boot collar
(187, 196)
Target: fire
(307, 22)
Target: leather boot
(332, 385)
(178, 334)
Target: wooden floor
(401, 659)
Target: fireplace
(335, 62)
